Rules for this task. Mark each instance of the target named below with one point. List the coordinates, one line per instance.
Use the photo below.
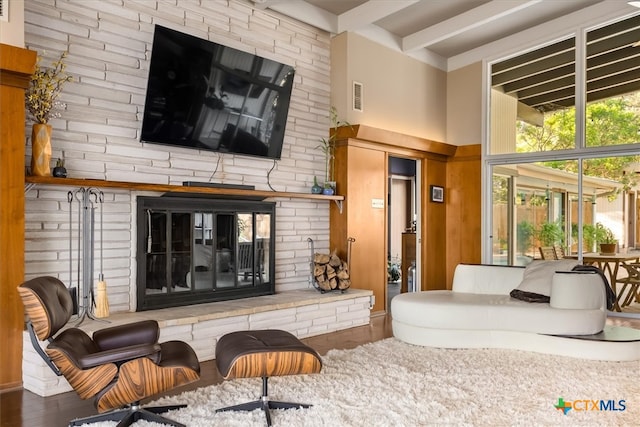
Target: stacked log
(330, 272)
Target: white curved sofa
(480, 313)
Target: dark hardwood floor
(24, 409)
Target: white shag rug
(391, 383)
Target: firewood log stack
(331, 272)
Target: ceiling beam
(305, 12)
(370, 12)
(479, 16)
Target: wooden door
(361, 178)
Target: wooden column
(464, 209)
(16, 67)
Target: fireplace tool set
(89, 305)
(329, 272)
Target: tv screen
(204, 95)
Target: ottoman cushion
(264, 353)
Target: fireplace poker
(102, 301)
(73, 290)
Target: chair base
(265, 404)
(126, 417)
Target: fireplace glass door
(201, 250)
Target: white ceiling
(449, 33)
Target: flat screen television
(207, 96)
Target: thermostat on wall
(377, 203)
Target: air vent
(357, 96)
(4, 10)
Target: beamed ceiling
(450, 34)
(544, 79)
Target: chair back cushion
(48, 304)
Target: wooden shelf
(168, 188)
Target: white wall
(109, 46)
(400, 93)
(12, 30)
(464, 105)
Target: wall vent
(357, 96)
(4, 10)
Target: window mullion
(580, 89)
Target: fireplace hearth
(197, 250)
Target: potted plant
(316, 188)
(550, 233)
(329, 188)
(394, 271)
(60, 171)
(589, 237)
(41, 99)
(525, 232)
(606, 239)
(327, 146)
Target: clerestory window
(563, 151)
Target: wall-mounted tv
(207, 96)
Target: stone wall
(109, 45)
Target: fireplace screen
(199, 250)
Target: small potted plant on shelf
(329, 188)
(327, 146)
(60, 171)
(316, 188)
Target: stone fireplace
(193, 250)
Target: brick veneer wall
(109, 45)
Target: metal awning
(531, 175)
(544, 79)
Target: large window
(563, 156)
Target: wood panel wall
(464, 209)
(16, 67)
(451, 230)
(434, 216)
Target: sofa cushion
(578, 291)
(537, 277)
(486, 278)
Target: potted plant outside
(550, 233)
(525, 233)
(606, 239)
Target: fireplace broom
(102, 302)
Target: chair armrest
(577, 290)
(119, 355)
(117, 337)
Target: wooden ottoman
(264, 353)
